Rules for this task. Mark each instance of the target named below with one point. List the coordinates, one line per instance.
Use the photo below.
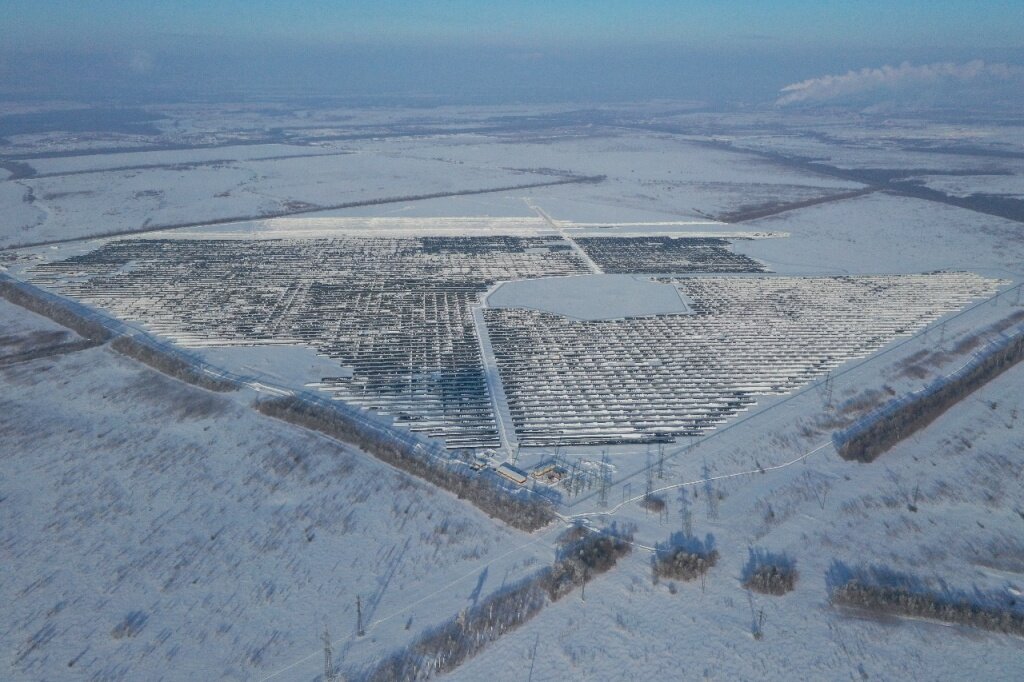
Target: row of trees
(92, 328)
(400, 450)
(865, 442)
(445, 647)
(900, 601)
(171, 364)
(62, 312)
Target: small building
(513, 474)
(549, 473)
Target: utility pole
(359, 617)
(661, 461)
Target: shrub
(653, 503)
(130, 626)
(580, 561)
(770, 573)
(684, 558)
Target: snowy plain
(224, 542)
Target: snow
(99, 203)
(645, 172)
(966, 185)
(591, 297)
(966, 532)
(94, 162)
(880, 233)
(237, 536)
(19, 213)
(292, 366)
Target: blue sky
(512, 50)
(529, 23)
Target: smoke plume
(945, 77)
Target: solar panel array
(651, 379)
(397, 311)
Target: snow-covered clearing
(99, 203)
(152, 530)
(591, 297)
(645, 171)
(124, 492)
(882, 233)
(960, 475)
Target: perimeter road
(594, 267)
(499, 401)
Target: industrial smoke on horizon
(908, 83)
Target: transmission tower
(828, 390)
(649, 476)
(603, 496)
(359, 617)
(573, 473)
(328, 663)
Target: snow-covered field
(153, 530)
(966, 185)
(882, 233)
(234, 537)
(963, 475)
(645, 172)
(99, 203)
(183, 157)
(591, 297)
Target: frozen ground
(645, 172)
(880, 233)
(965, 186)
(183, 157)
(233, 537)
(100, 203)
(149, 530)
(962, 475)
(292, 366)
(591, 297)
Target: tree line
(902, 418)
(485, 492)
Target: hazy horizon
(460, 52)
